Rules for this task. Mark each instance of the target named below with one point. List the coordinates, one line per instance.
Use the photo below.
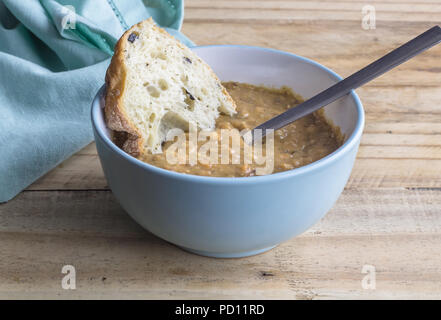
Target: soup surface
(300, 143)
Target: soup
(298, 144)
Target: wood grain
(229, 11)
(392, 162)
(395, 230)
(389, 215)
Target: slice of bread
(154, 84)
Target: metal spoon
(394, 58)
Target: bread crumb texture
(154, 84)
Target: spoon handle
(394, 58)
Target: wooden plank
(389, 139)
(392, 173)
(189, 3)
(97, 213)
(277, 3)
(396, 230)
(232, 15)
(377, 166)
(405, 99)
(353, 6)
(400, 152)
(403, 123)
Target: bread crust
(115, 79)
(115, 115)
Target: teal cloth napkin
(53, 58)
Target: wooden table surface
(389, 215)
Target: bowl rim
(314, 166)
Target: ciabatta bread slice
(154, 84)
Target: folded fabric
(53, 58)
